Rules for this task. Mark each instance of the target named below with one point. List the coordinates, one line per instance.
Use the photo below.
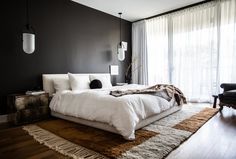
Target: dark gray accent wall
(69, 38)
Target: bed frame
(112, 129)
(48, 87)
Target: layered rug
(156, 140)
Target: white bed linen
(124, 113)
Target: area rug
(156, 140)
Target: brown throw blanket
(162, 90)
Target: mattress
(110, 128)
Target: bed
(97, 108)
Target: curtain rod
(175, 10)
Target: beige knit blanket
(162, 90)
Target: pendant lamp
(120, 47)
(28, 34)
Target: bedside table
(28, 108)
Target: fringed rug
(156, 140)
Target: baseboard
(4, 118)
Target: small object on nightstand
(28, 108)
(121, 84)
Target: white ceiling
(136, 9)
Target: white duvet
(124, 113)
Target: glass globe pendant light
(28, 34)
(120, 47)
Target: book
(34, 92)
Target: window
(194, 49)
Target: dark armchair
(228, 97)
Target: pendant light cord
(28, 26)
(120, 28)
(27, 15)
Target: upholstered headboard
(48, 85)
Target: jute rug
(156, 140)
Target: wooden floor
(215, 140)
(16, 143)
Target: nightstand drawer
(30, 101)
(31, 115)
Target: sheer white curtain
(194, 49)
(195, 52)
(227, 52)
(157, 49)
(139, 53)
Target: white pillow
(61, 84)
(105, 79)
(78, 82)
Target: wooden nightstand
(28, 108)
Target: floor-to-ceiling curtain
(157, 49)
(195, 51)
(227, 48)
(139, 53)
